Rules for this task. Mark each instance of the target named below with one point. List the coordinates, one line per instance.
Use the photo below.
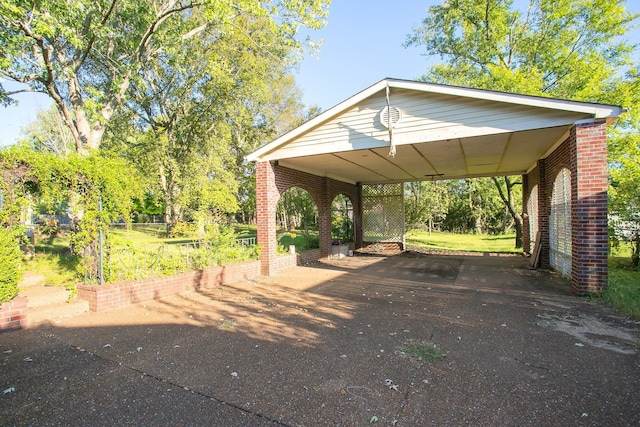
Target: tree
(571, 49)
(425, 203)
(85, 54)
(624, 192)
(49, 133)
(507, 197)
(200, 108)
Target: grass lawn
(624, 286)
(504, 243)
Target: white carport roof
(440, 132)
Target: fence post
(100, 241)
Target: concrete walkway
(329, 345)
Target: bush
(10, 265)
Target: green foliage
(195, 112)
(624, 191)
(426, 203)
(423, 352)
(623, 292)
(49, 133)
(463, 206)
(85, 54)
(10, 264)
(95, 189)
(571, 49)
(140, 253)
(301, 241)
(183, 229)
(296, 210)
(342, 227)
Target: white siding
(427, 117)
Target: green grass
(53, 261)
(623, 292)
(462, 242)
(423, 352)
(298, 239)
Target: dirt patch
(590, 330)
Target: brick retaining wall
(122, 294)
(13, 314)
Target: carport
(400, 131)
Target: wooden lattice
(383, 213)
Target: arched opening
(532, 211)
(342, 225)
(560, 224)
(297, 220)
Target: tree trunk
(507, 199)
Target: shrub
(10, 265)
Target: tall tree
(571, 49)
(200, 108)
(85, 54)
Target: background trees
(571, 49)
(181, 88)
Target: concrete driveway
(328, 344)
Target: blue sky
(362, 45)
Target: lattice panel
(383, 213)
(560, 224)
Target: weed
(423, 352)
(227, 324)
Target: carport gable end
(446, 132)
(443, 131)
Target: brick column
(357, 218)
(324, 218)
(526, 238)
(266, 200)
(589, 233)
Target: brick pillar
(544, 210)
(324, 219)
(266, 200)
(357, 218)
(526, 238)
(589, 233)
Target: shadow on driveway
(327, 345)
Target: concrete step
(44, 295)
(54, 312)
(48, 303)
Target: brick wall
(272, 181)
(589, 231)
(13, 314)
(122, 294)
(584, 153)
(307, 257)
